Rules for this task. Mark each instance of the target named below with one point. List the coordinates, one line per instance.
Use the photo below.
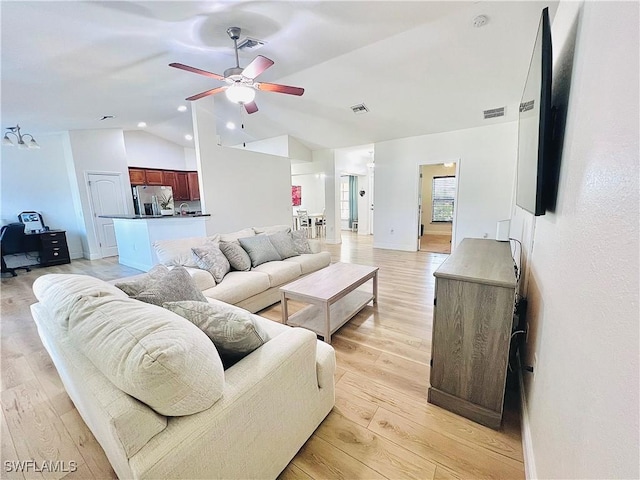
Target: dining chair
(304, 222)
(321, 225)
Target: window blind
(442, 199)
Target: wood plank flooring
(381, 425)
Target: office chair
(12, 241)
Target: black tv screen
(534, 126)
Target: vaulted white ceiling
(420, 66)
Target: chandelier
(15, 131)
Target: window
(344, 198)
(442, 197)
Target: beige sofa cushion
(239, 285)
(60, 292)
(178, 251)
(234, 236)
(148, 352)
(272, 229)
(202, 278)
(310, 262)
(280, 272)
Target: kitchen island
(135, 235)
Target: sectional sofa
(254, 289)
(151, 387)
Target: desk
(51, 246)
(312, 219)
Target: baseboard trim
(527, 443)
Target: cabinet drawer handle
(55, 254)
(55, 241)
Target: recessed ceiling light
(231, 125)
(142, 124)
(182, 108)
(188, 137)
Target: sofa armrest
(273, 393)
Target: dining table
(312, 219)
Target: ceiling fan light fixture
(240, 94)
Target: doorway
(107, 198)
(438, 191)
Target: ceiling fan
(241, 85)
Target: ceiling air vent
(526, 106)
(359, 108)
(493, 113)
(250, 44)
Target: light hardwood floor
(380, 427)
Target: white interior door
(107, 198)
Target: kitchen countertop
(151, 217)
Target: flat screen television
(534, 168)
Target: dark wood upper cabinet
(154, 177)
(184, 184)
(194, 188)
(181, 188)
(137, 176)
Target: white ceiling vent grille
(493, 113)
(359, 108)
(250, 44)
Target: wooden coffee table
(333, 297)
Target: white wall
(583, 403)
(486, 157)
(146, 150)
(97, 151)
(239, 188)
(39, 180)
(312, 192)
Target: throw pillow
(300, 241)
(134, 286)
(211, 259)
(260, 249)
(237, 256)
(232, 330)
(174, 286)
(283, 243)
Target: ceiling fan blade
(274, 87)
(181, 66)
(251, 107)
(213, 91)
(257, 66)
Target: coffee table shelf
(334, 294)
(312, 316)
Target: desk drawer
(54, 255)
(53, 239)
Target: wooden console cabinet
(472, 322)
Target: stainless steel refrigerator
(151, 200)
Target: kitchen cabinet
(181, 188)
(472, 322)
(137, 176)
(194, 188)
(169, 178)
(184, 184)
(154, 177)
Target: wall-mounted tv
(534, 126)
